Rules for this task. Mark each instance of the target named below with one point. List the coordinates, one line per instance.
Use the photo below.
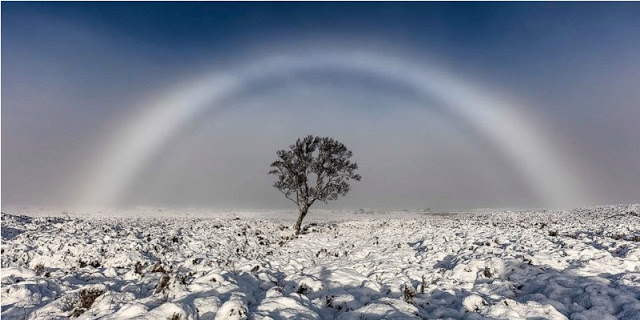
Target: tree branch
(286, 196)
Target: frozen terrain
(169, 264)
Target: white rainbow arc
(505, 124)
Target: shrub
(86, 299)
(617, 236)
(158, 267)
(39, 269)
(163, 284)
(408, 293)
(138, 268)
(303, 288)
(487, 272)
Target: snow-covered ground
(195, 264)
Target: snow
(150, 263)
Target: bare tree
(315, 168)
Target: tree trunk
(301, 214)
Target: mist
(74, 74)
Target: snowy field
(579, 264)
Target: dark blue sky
(482, 32)
(80, 66)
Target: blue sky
(71, 72)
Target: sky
(179, 104)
